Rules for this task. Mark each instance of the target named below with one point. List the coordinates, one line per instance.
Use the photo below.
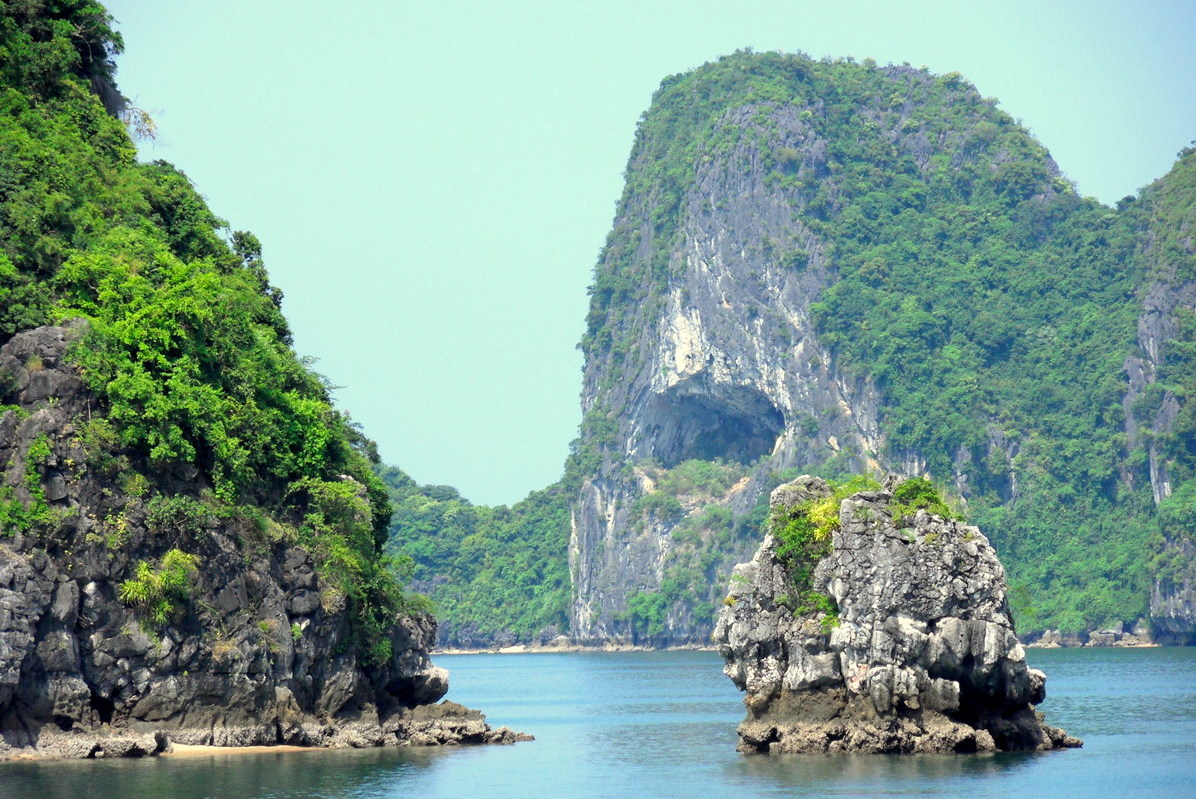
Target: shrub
(918, 493)
(176, 515)
(158, 591)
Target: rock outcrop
(920, 655)
(1173, 601)
(1140, 634)
(261, 651)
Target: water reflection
(332, 774)
(874, 774)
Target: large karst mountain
(834, 267)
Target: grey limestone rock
(260, 654)
(922, 657)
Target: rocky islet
(918, 654)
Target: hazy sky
(432, 181)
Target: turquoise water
(663, 724)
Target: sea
(662, 724)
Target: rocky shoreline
(442, 724)
(566, 647)
(1049, 639)
(1139, 635)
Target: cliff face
(913, 650)
(837, 267)
(722, 362)
(727, 367)
(1155, 401)
(255, 648)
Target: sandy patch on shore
(198, 750)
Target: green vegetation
(185, 344)
(494, 573)
(159, 592)
(17, 516)
(712, 478)
(915, 494)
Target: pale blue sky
(432, 181)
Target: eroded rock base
(830, 722)
(442, 724)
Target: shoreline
(1140, 645)
(541, 649)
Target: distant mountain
(834, 267)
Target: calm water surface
(663, 724)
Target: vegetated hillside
(180, 504)
(836, 267)
(497, 575)
(1161, 417)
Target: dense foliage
(185, 343)
(495, 574)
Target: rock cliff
(256, 647)
(1155, 408)
(914, 649)
(721, 361)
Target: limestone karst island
(851, 338)
(871, 621)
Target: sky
(432, 182)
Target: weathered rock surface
(923, 658)
(1173, 602)
(262, 653)
(1169, 294)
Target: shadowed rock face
(737, 423)
(262, 652)
(924, 657)
(1173, 603)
